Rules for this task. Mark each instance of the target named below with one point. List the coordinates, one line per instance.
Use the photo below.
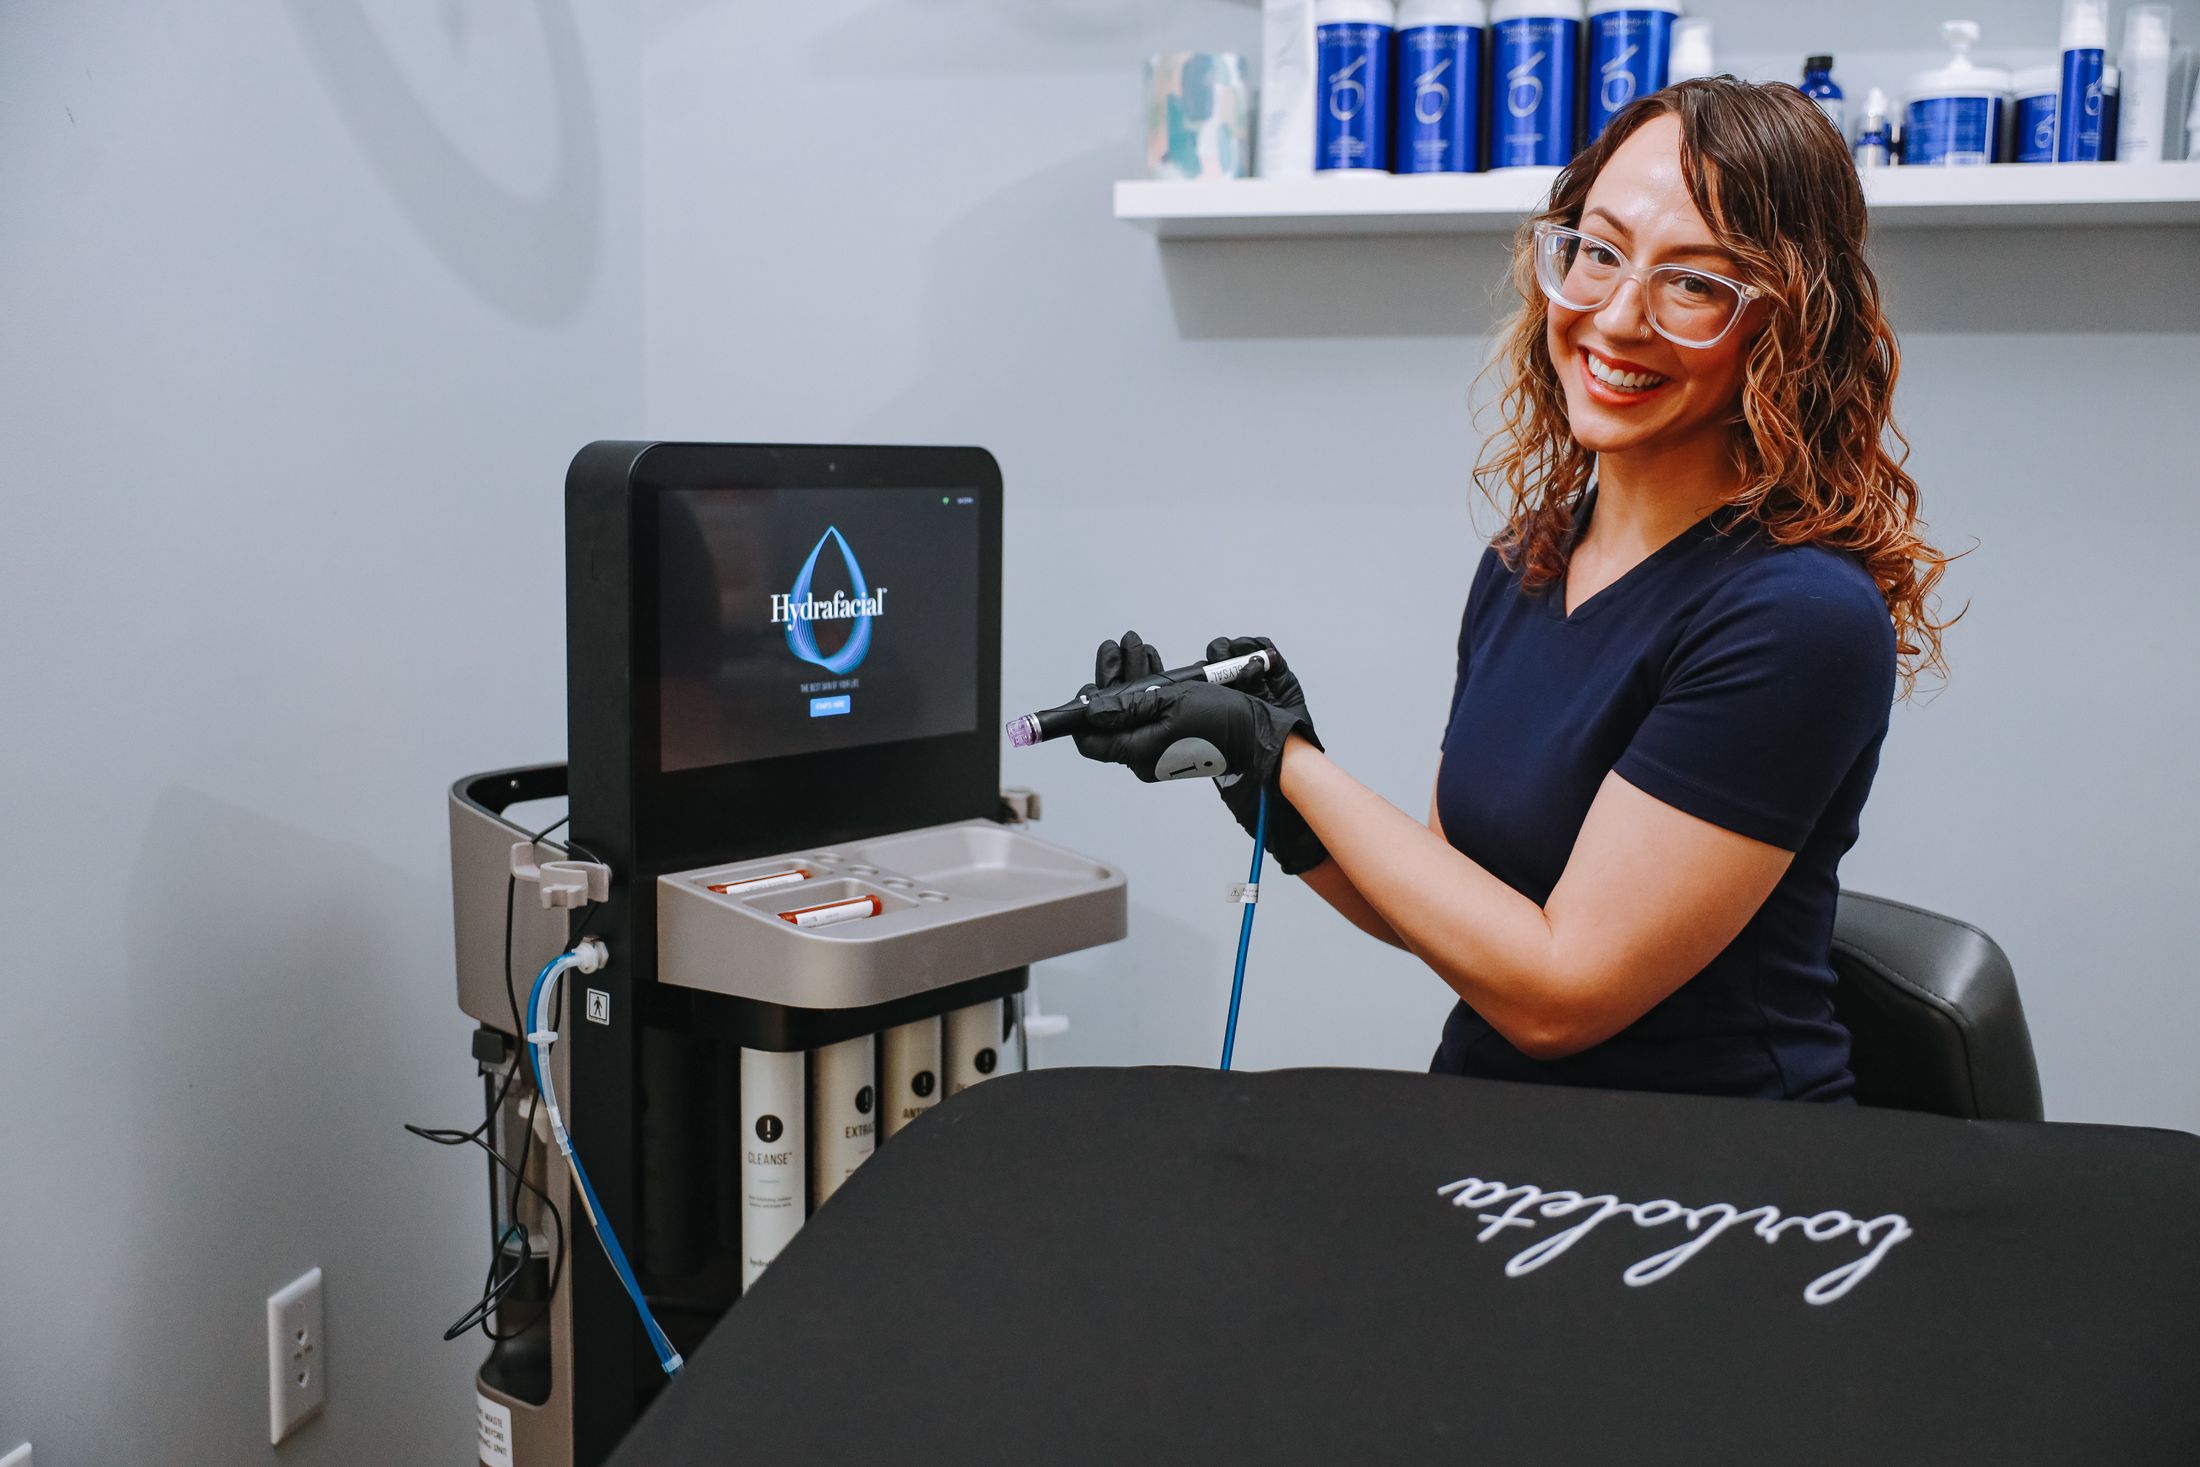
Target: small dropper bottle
(1874, 144)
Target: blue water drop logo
(802, 640)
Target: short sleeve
(1774, 689)
(1485, 575)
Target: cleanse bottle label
(774, 1157)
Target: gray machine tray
(957, 902)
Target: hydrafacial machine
(788, 910)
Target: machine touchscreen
(803, 620)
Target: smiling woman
(1794, 407)
(1677, 658)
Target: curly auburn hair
(1812, 439)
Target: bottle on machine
(843, 1113)
(909, 1074)
(1352, 84)
(1439, 86)
(1535, 63)
(971, 1044)
(774, 1157)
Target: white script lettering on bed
(1527, 1206)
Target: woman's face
(1670, 394)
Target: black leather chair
(1932, 1006)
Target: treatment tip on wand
(1023, 732)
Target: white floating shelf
(2030, 195)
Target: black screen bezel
(760, 806)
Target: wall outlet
(297, 1356)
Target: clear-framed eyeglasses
(1685, 305)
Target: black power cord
(498, 1284)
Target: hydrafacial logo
(800, 611)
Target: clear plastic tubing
(1630, 54)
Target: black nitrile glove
(1291, 841)
(1117, 663)
(1187, 731)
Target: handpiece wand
(1053, 723)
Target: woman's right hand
(1279, 685)
(1291, 841)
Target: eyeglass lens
(1583, 273)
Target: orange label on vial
(831, 912)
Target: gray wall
(302, 310)
(897, 228)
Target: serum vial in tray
(826, 915)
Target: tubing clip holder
(561, 883)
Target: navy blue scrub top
(1745, 683)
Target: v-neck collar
(1700, 530)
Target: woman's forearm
(1334, 887)
(1490, 944)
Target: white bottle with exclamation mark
(973, 1044)
(909, 1072)
(774, 1157)
(843, 1113)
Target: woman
(1674, 678)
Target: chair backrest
(1931, 1004)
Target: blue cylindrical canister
(2084, 58)
(1535, 61)
(2034, 135)
(1630, 52)
(1352, 84)
(1952, 130)
(1955, 112)
(1439, 85)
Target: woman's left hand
(1188, 731)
